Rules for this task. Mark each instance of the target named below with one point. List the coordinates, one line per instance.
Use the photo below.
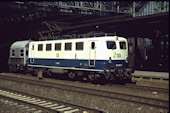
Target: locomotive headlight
(119, 65)
(110, 60)
(118, 55)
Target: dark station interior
(148, 34)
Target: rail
(154, 102)
(45, 103)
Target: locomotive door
(92, 53)
(32, 53)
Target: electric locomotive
(103, 57)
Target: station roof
(143, 26)
(14, 28)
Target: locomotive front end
(117, 64)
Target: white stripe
(66, 68)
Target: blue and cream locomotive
(103, 57)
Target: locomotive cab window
(92, 45)
(57, 46)
(122, 45)
(111, 45)
(40, 47)
(68, 46)
(79, 46)
(48, 47)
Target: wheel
(11, 69)
(102, 79)
(80, 75)
(72, 75)
(40, 74)
(35, 72)
(91, 76)
(107, 76)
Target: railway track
(40, 104)
(142, 100)
(134, 86)
(120, 96)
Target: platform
(152, 74)
(152, 79)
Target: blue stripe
(99, 64)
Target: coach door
(92, 53)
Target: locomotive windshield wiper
(114, 47)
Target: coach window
(122, 45)
(40, 47)
(92, 45)
(21, 52)
(57, 46)
(79, 45)
(13, 52)
(111, 45)
(48, 47)
(68, 46)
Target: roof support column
(133, 8)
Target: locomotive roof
(90, 38)
(20, 44)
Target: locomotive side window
(68, 46)
(111, 45)
(57, 46)
(40, 47)
(48, 47)
(79, 45)
(122, 45)
(92, 45)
